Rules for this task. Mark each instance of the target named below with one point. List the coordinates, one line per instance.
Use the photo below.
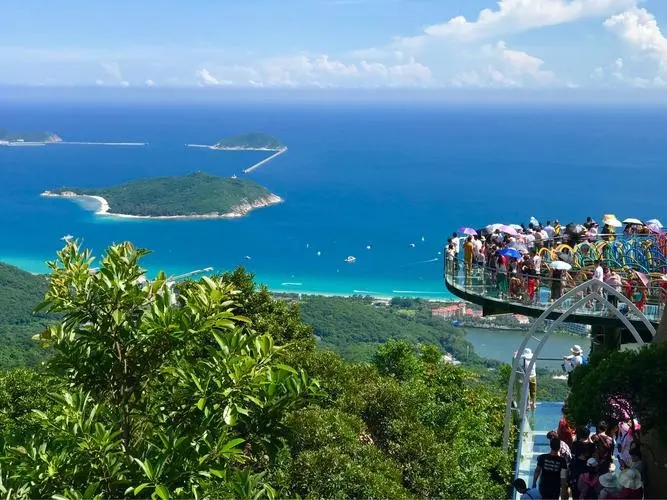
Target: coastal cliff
(16, 138)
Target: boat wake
(291, 284)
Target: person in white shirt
(574, 360)
(537, 262)
(550, 230)
(455, 243)
(598, 277)
(524, 362)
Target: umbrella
(631, 220)
(560, 265)
(642, 277)
(493, 227)
(510, 252)
(613, 223)
(508, 230)
(516, 226)
(534, 221)
(654, 228)
(467, 230)
(656, 222)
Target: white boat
(247, 257)
(67, 237)
(351, 259)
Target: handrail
(538, 290)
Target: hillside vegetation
(225, 396)
(194, 194)
(253, 140)
(20, 292)
(6, 135)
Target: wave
(366, 292)
(415, 291)
(291, 284)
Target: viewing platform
(638, 261)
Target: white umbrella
(560, 265)
(656, 222)
(613, 222)
(516, 226)
(631, 220)
(493, 227)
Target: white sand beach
(104, 208)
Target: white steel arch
(595, 287)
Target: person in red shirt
(566, 432)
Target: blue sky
(335, 43)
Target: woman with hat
(573, 361)
(524, 361)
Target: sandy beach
(104, 208)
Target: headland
(195, 196)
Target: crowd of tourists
(605, 464)
(508, 258)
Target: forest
(225, 395)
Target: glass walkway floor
(534, 440)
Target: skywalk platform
(480, 288)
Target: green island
(197, 195)
(234, 393)
(9, 137)
(251, 141)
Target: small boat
(67, 237)
(247, 257)
(319, 253)
(423, 239)
(368, 247)
(412, 245)
(351, 259)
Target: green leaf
(229, 415)
(162, 491)
(231, 444)
(138, 489)
(287, 368)
(201, 403)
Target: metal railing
(541, 290)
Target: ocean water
(355, 175)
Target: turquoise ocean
(356, 175)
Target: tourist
(551, 233)
(609, 485)
(603, 448)
(551, 470)
(556, 284)
(451, 258)
(468, 255)
(636, 461)
(614, 280)
(582, 451)
(526, 494)
(566, 433)
(524, 362)
(565, 451)
(630, 484)
(455, 241)
(558, 232)
(573, 361)
(587, 484)
(502, 278)
(626, 437)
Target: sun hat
(576, 349)
(631, 479)
(527, 352)
(609, 480)
(591, 462)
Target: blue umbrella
(510, 252)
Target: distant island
(253, 141)
(9, 138)
(194, 196)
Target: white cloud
(504, 67)
(512, 16)
(324, 71)
(99, 82)
(206, 78)
(124, 83)
(149, 83)
(640, 30)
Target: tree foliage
(632, 382)
(219, 393)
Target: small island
(8, 138)
(194, 196)
(253, 141)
